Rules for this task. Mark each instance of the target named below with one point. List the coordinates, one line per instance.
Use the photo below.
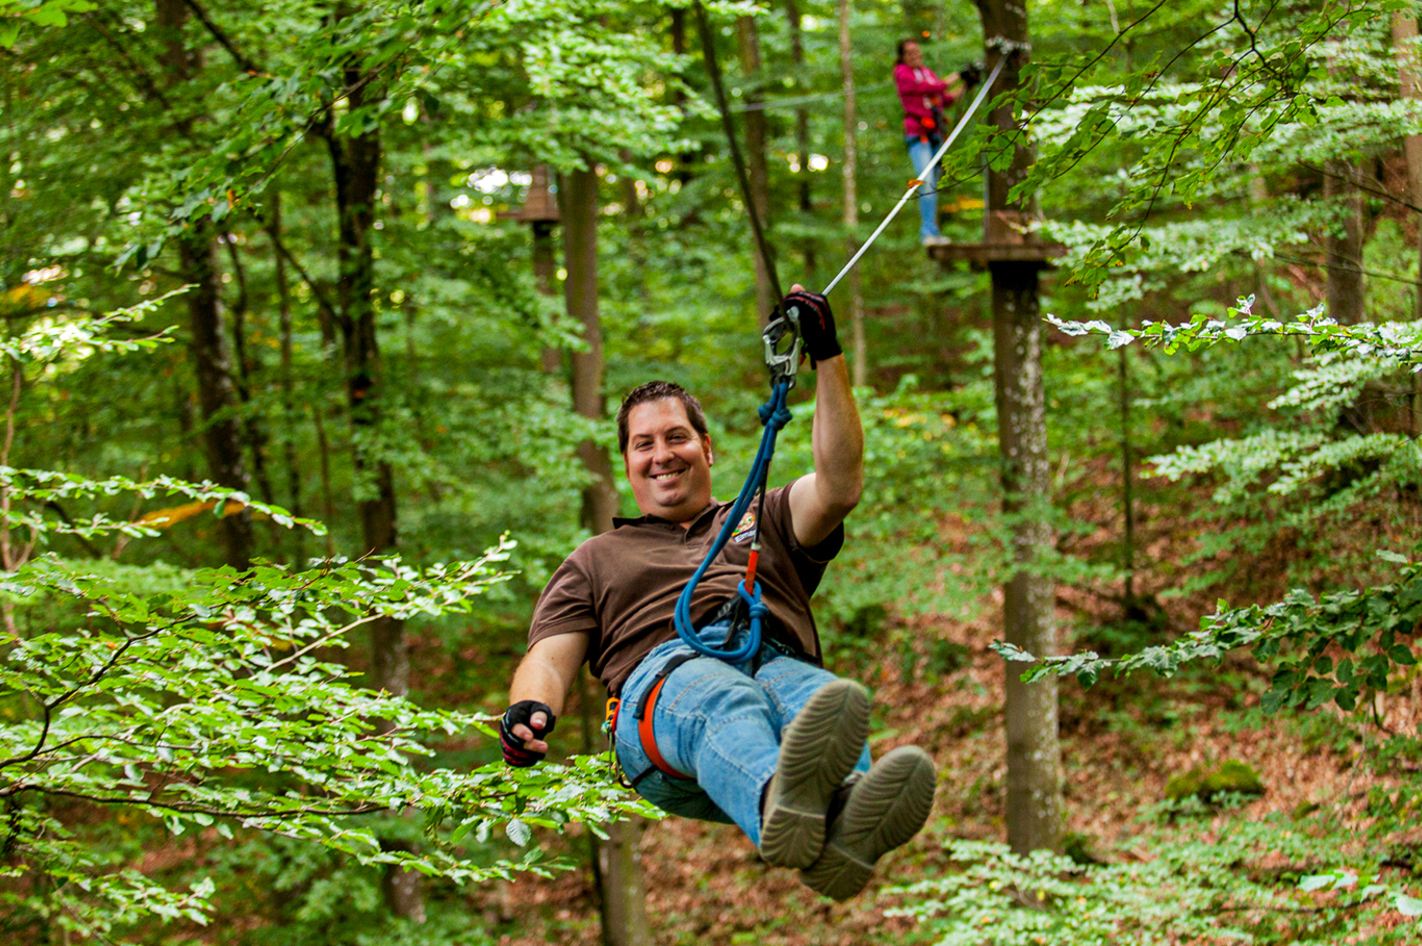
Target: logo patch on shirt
(745, 530)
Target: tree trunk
(802, 133)
(757, 166)
(1344, 243)
(288, 393)
(624, 904)
(249, 367)
(197, 261)
(1128, 536)
(1404, 37)
(686, 159)
(851, 200)
(1034, 806)
(579, 206)
(1258, 197)
(545, 271)
(355, 163)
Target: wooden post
(624, 904)
(540, 211)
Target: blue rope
(774, 415)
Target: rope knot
(775, 417)
(755, 607)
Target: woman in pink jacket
(924, 96)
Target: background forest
(312, 315)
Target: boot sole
(885, 810)
(817, 752)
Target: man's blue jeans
(920, 153)
(718, 722)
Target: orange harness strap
(648, 737)
(645, 732)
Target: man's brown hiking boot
(817, 751)
(881, 810)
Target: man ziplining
(759, 736)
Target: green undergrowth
(1216, 876)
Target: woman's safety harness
(783, 347)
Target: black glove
(971, 74)
(521, 712)
(816, 324)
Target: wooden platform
(1005, 240)
(541, 206)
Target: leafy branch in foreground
(1199, 885)
(215, 704)
(1400, 342)
(1371, 629)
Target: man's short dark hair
(659, 391)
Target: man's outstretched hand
(521, 732)
(816, 323)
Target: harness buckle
(609, 719)
(783, 364)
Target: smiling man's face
(668, 463)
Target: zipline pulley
(783, 364)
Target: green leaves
(1397, 342)
(1365, 626)
(1200, 882)
(13, 13)
(212, 701)
(71, 340)
(1343, 881)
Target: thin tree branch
(243, 63)
(311, 284)
(180, 808)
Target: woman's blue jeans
(920, 153)
(718, 722)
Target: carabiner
(783, 365)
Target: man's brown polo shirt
(620, 588)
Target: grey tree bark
(1409, 81)
(624, 901)
(197, 261)
(802, 131)
(288, 393)
(757, 164)
(859, 351)
(1343, 245)
(355, 165)
(1034, 803)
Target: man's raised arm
(536, 695)
(820, 501)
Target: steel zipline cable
(774, 414)
(927, 172)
